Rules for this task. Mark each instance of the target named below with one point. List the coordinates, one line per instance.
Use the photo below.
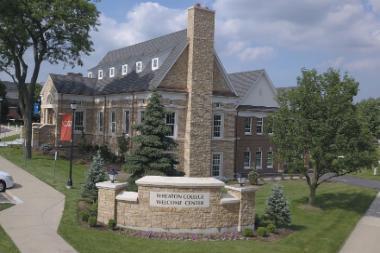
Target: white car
(6, 181)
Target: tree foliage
(317, 129)
(4, 104)
(277, 209)
(370, 112)
(152, 152)
(53, 31)
(95, 174)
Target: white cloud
(255, 53)
(375, 5)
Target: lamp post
(69, 184)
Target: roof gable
(254, 88)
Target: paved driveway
(32, 225)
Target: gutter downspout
(104, 121)
(235, 148)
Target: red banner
(66, 127)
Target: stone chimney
(197, 148)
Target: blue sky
(281, 36)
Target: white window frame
(100, 127)
(155, 63)
(139, 66)
(221, 125)
(270, 152)
(139, 118)
(124, 122)
(220, 165)
(250, 126)
(175, 124)
(112, 72)
(100, 74)
(249, 161)
(89, 74)
(124, 69)
(261, 159)
(84, 121)
(112, 122)
(261, 119)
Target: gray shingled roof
(243, 81)
(167, 48)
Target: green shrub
(253, 176)
(92, 221)
(262, 231)
(93, 210)
(271, 228)
(84, 215)
(248, 232)
(112, 224)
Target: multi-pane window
(138, 67)
(113, 122)
(247, 160)
(259, 125)
(170, 122)
(142, 114)
(100, 121)
(218, 125)
(154, 63)
(100, 74)
(126, 122)
(247, 126)
(270, 160)
(124, 69)
(216, 164)
(112, 72)
(259, 159)
(78, 121)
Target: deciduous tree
(53, 31)
(317, 129)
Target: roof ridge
(246, 71)
(145, 41)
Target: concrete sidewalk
(365, 238)
(33, 224)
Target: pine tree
(95, 174)
(277, 209)
(152, 152)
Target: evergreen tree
(95, 174)
(152, 148)
(277, 209)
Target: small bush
(247, 232)
(271, 228)
(84, 216)
(112, 224)
(92, 221)
(262, 231)
(277, 209)
(93, 210)
(253, 176)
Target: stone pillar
(197, 146)
(246, 195)
(107, 200)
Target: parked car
(6, 181)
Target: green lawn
(6, 244)
(11, 137)
(367, 174)
(317, 230)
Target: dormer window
(154, 63)
(112, 72)
(100, 74)
(124, 69)
(139, 66)
(89, 74)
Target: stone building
(207, 108)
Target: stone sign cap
(110, 185)
(180, 181)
